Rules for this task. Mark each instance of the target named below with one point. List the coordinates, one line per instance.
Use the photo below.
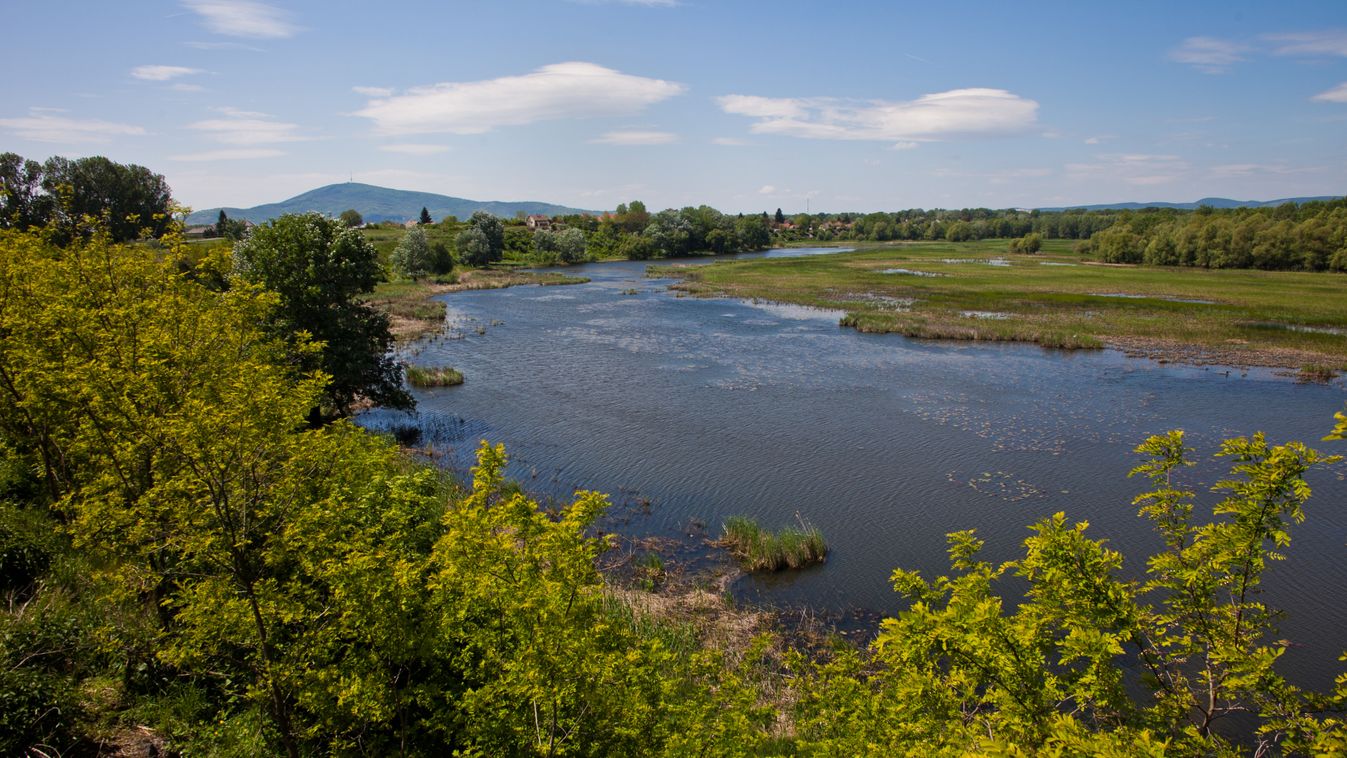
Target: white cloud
(228, 155)
(730, 141)
(414, 149)
(243, 18)
(43, 125)
(930, 117)
(247, 128)
(903, 146)
(372, 91)
(1332, 43)
(635, 137)
(183, 87)
(162, 73)
(1208, 54)
(767, 189)
(558, 91)
(1337, 94)
(1260, 169)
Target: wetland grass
(1285, 319)
(441, 376)
(757, 549)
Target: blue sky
(741, 105)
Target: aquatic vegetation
(441, 376)
(760, 550)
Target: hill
(378, 204)
(1215, 202)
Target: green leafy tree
(129, 200)
(22, 202)
(670, 234)
(752, 232)
(545, 246)
(571, 245)
(494, 232)
(221, 224)
(412, 257)
(352, 218)
(441, 259)
(779, 218)
(474, 248)
(320, 269)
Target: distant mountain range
(1215, 202)
(378, 204)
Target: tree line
(1306, 237)
(192, 562)
(62, 195)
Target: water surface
(710, 408)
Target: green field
(1056, 298)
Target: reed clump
(757, 549)
(442, 376)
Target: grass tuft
(443, 376)
(759, 550)
(1317, 372)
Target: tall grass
(759, 550)
(443, 376)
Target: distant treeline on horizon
(1308, 236)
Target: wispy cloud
(372, 91)
(1132, 168)
(197, 45)
(1332, 42)
(767, 189)
(1209, 54)
(243, 18)
(162, 73)
(247, 128)
(414, 149)
(1231, 170)
(960, 112)
(730, 141)
(635, 137)
(228, 155)
(558, 91)
(46, 125)
(1336, 95)
(184, 87)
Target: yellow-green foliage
(193, 565)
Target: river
(711, 408)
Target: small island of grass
(441, 376)
(759, 550)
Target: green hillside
(378, 204)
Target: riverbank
(413, 312)
(1057, 299)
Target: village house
(538, 222)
